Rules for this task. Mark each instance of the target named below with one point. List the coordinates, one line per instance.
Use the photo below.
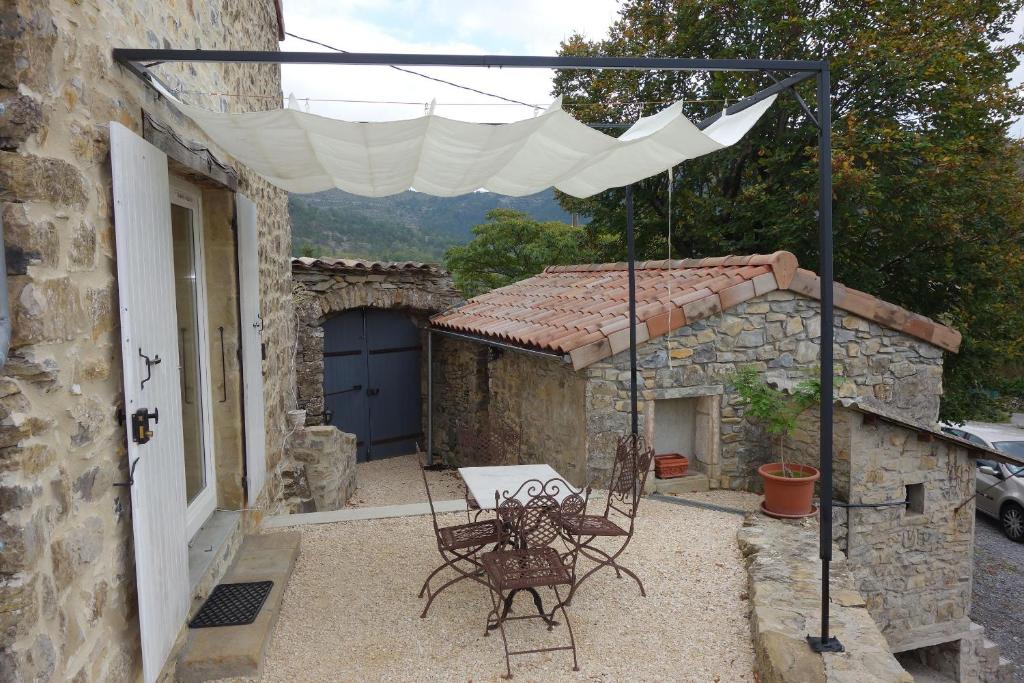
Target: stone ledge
(784, 579)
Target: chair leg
(426, 584)
(607, 561)
(565, 615)
(453, 563)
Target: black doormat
(232, 604)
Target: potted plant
(788, 487)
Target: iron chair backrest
(534, 517)
(630, 469)
(497, 444)
(430, 499)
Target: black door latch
(141, 433)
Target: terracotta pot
(670, 465)
(790, 496)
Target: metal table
(484, 482)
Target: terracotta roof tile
(582, 310)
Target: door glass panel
(187, 306)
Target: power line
(442, 104)
(421, 75)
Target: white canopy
(302, 152)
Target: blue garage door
(372, 380)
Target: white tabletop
(483, 482)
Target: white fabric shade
(303, 152)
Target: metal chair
(498, 444)
(458, 545)
(629, 474)
(531, 519)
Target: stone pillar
(326, 458)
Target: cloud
(433, 26)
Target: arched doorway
(372, 380)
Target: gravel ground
(999, 589)
(397, 481)
(351, 611)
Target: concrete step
(689, 484)
(238, 651)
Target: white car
(1000, 486)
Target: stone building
(389, 304)
(559, 363)
(909, 537)
(550, 353)
(74, 583)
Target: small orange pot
(788, 496)
(670, 466)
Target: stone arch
(324, 288)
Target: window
(915, 499)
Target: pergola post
(631, 258)
(825, 642)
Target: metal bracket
(131, 475)
(149, 366)
(830, 644)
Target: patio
(351, 613)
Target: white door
(193, 354)
(252, 346)
(149, 350)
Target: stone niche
(689, 425)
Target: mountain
(407, 226)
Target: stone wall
(784, 580)
(542, 397)
(777, 333)
(461, 392)
(324, 288)
(322, 469)
(67, 605)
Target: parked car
(1000, 486)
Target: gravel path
(397, 481)
(351, 611)
(999, 590)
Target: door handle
(150, 362)
(372, 392)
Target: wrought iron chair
(531, 519)
(458, 546)
(498, 444)
(630, 469)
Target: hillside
(407, 226)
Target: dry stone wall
(543, 398)
(779, 334)
(67, 605)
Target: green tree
(928, 192)
(512, 246)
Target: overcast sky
(533, 27)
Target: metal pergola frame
(140, 61)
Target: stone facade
(777, 333)
(67, 605)
(541, 397)
(324, 288)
